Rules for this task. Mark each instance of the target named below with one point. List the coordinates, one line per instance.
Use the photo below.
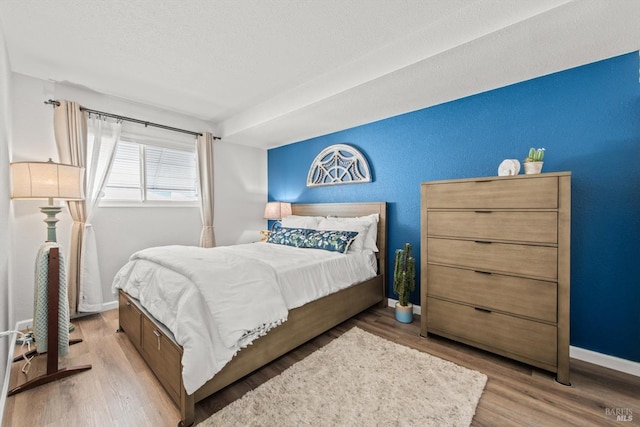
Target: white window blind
(143, 172)
(124, 182)
(170, 174)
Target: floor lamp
(49, 180)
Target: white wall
(240, 183)
(5, 211)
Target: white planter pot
(532, 167)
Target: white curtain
(104, 136)
(204, 150)
(96, 156)
(70, 128)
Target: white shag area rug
(360, 379)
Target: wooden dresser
(495, 265)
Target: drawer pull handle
(484, 310)
(157, 334)
(482, 272)
(483, 242)
(483, 211)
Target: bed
(158, 346)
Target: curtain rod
(129, 119)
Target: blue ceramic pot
(404, 314)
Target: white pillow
(370, 221)
(299, 221)
(332, 224)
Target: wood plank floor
(120, 390)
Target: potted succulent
(404, 282)
(533, 162)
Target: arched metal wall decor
(338, 164)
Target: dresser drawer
(526, 260)
(163, 357)
(130, 319)
(523, 297)
(510, 336)
(492, 193)
(534, 227)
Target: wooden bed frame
(163, 355)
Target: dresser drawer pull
(157, 334)
(483, 211)
(483, 242)
(482, 272)
(484, 310)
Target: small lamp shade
(46, 180)
(277, 210)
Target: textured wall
(587, 118)
(5, 213)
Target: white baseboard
(24, 324)
(10, 343)
(109, 305)
(604, 360)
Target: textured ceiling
(268, 73)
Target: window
(149, 173)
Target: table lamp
(275, 211)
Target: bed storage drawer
(130, 319)
(163, 357)
(529, 341)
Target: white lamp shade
(46, 180)
(277, 210)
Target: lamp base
(264, 235)
(51, 212)
(276, 224)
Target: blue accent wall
(587, 118)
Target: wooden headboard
(352, 210)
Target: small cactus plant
(535, 155)
(404, 274)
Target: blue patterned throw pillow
(288, 236)
(330, 240)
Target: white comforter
(239, 295)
